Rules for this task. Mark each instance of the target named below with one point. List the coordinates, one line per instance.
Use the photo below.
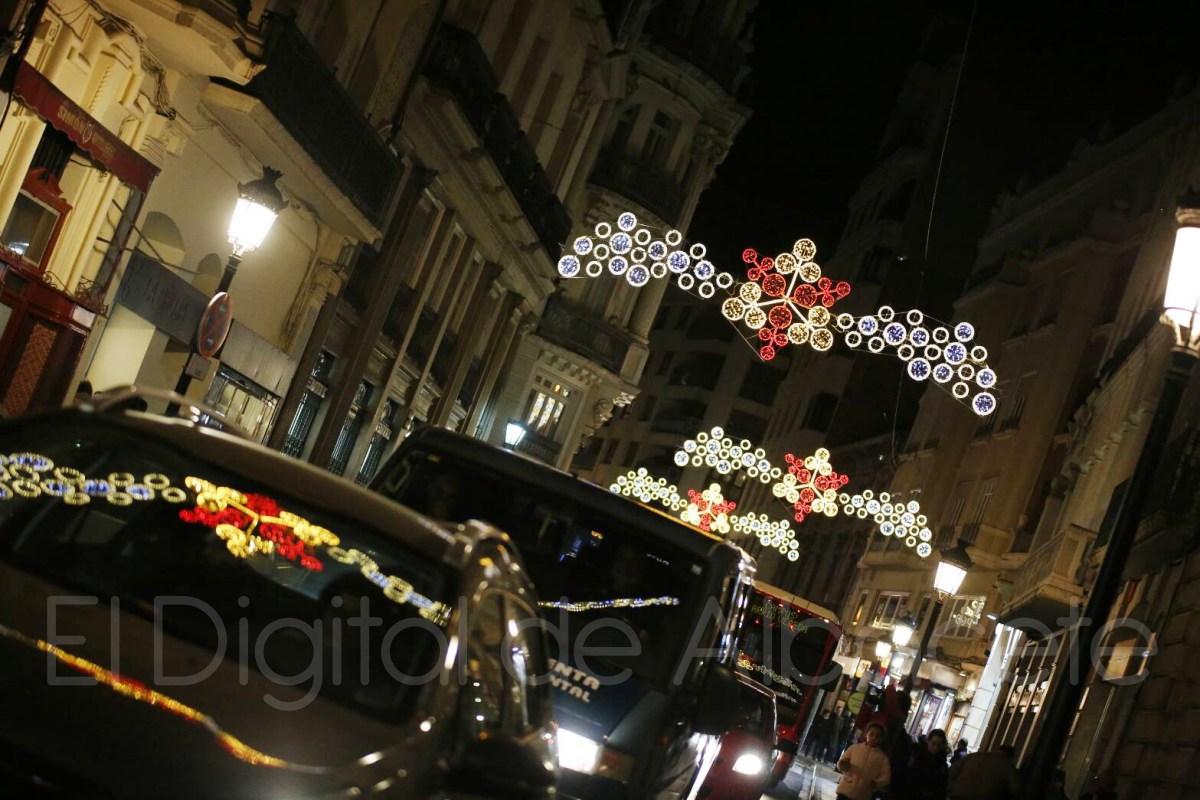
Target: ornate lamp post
(1181, 312)
(952, 568)
(259, 203)
(514, 432)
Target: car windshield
(110, 513)
(602, 585)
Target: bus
(788, 644)
(640, 608)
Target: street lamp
(1181, 307)
(952, 568)
(903, 631)
(259, 203)
(514, 432)
(883, 649)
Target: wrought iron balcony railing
(645, 184)
(582, 332)
(458, 64)
(696, 42)
(305, 96)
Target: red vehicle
(787, 643)
(742, 769)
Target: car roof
(274, 469)
(563, 484)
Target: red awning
(36, 90)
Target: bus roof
(797, 601)
(562, 484)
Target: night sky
(1038, 78)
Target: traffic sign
(214, 325)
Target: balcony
(695, 42)
(459, 65)
(1045, 588)
(581, 331)
(305, 96)
(644, 184)
(539, 447)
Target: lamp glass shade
(949, 578)
(902, 634)
(514, 432)
(249, 226)
(882, 649)
(1183, 282)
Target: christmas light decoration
(394, 588)
(709, 510)
(639, 254)
(810, 485)
(715, 449)
(138, 691)
(941, 353)
(604, 605)
(786, 301)
(969, 613)
(777, 534)
(893, 516)
(640, 485)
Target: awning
(37, 92)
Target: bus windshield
(604, 587)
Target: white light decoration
(969, 614)
(640, 485)
(893, 518)
(632, 250)
(943, 354)
(786, 301)
(716, 450)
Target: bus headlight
(581, 754)
(748, 764)
(577, 752)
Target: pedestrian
(927, 774)
(864, 766)
(960, 750)
(985, 776)
(847, 731)
(818, 736)
(834, 735)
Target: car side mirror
(716, 712)
(500, 766)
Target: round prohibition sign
(214, 325)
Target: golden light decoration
(894, 517)
(644, 487)
(786, 300)
(777, 534)
(943, 354)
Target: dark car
(185, 614)
(742, 770)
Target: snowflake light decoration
(810, 485)
(709, 510)
(637, 253)
(715, 449)
(769, 532)
(969, 614)
(941, 353)
(786, 301)
(640, 485)
(893, 516)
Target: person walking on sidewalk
(834, 735)
(985, 776)
(864, 767)
(927, 775)
(817, 736)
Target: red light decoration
(811, 485)
(709, 509)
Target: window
(310, 405)
(1016, 405)
(29, 228)
(379, 442)
(543, 410)
(859, 609)
(648, 407)
(242, 402)
(888, 608)
(660, 138)
(348, 435)
(820, 412)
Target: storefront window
(29, 228)
(242, 402)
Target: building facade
(436, 158)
